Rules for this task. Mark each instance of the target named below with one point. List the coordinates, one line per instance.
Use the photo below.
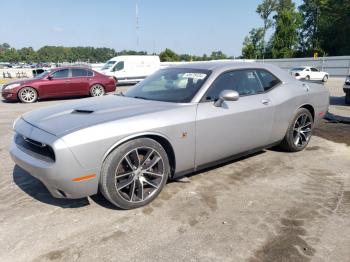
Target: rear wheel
(27, 95)
(135, 173)
(97, 90)
(325, 78)
(299, 131)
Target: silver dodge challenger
(179, 120)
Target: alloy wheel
(139, 174)
(28, 95)
(302, 130)
(97, 90)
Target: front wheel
(299, 131)
(325, 78)
(97, 90)
(307, 78)
(135, 173)
(27, 95)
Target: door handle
(67, 81)
(266, 101)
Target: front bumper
(346, 88)
(56, 174)
(7, 95)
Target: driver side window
(60, 74)
(119, 66)
(245, 82)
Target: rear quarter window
(267, 79)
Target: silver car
(177, 121)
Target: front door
(56, 84)
(236, 126)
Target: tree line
(316, 26)
(60, 54)
(88, 54)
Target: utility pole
(137, 27)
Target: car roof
(70, 67)
(227, 65)
(220, 65)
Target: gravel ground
(272, 206)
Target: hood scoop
(82, 111)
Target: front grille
(35, 148)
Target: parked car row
(60, 82)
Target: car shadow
(100, 200)
(34, 188)
(224, 163)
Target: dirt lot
(272, 206)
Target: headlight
(11, 86)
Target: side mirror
(49, 78)
(226, 95)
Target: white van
(131, 68)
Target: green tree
(253, 45)
(265, 9)
(309, 33)
(9, 55)
(286, 37)
(217, 55)
(168, 56)
(333, 27)
(26, 54)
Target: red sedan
(60, 82)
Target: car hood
(21, 82)
(69, 117)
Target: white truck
(131, 68)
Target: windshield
(178, 85)
(298, 69)
(108, 65)
(42, 75)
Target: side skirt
(222, 161)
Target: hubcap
(97, 90)
(139, 174)
(302, 130)
(28, 95)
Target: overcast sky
(186, 26)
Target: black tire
(28, 95)
(347, 98)
(289, 143)
(117, 161)
(97, 90)
(307, 78)
(325, 79)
